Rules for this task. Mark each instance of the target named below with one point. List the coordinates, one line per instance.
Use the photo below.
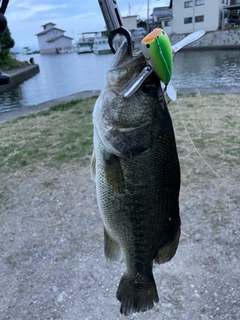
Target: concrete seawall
(222, 39)
(19, 75)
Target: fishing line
(195, 148)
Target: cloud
(76, 16)
(28, 9)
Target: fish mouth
(122, 59)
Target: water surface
(65, 74)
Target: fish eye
(148, 45)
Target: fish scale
(136, 169)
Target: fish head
(119, 122)
(124, 68)
(157, 51)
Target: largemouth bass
(136, 169)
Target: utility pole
(148, 16)
(129, 9)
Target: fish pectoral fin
(111, 248)
(113, 171)
(166, 252)
(93, 167)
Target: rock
(60, 298)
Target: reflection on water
(207, 69)
(9, 99)
(59, 76)
(65, 74)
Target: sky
(25, 18)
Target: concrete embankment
(45, 105)
(214, 40)
(222, 39)
(19, 75)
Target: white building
(53, 40)
(186, 16)
(130, 22)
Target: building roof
(46, 31)
(57, 37)
(132, 16)
(162, 13)
(48, 24)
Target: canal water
(65, 74)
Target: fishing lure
(159, 54)
(157, 51)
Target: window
(199, 2)
(199, 18)
(166, 23)
(188, 4)
(187, 20)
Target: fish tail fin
(136, 294)
(166, 253)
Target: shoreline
(19, 75)
(10, 115)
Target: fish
(157, 51)
(136, 170)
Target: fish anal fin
(166, 253)
(136, 294)
(113, 171)
(111, 248)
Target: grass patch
(64, 133)
(213, 122)
(51, 137)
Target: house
(162, 17)
(130, 22)
(53, 40)
(141, 24)
(186, 16)
(231, 14)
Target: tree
(6, 44)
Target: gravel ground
(52, 264)
(51, 246)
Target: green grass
(51, 137)
(213, 123)
(63, 134)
